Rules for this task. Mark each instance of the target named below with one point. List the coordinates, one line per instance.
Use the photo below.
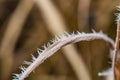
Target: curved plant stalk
(56, 25)
(57, 43)
(116, 58)
(12, 33)
(116, 55)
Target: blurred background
(26, 25)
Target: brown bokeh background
(26, 25)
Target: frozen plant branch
(56, 25)
(114, 72)
(116, 59)
(54, 45)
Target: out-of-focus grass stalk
(83, 14)
(14, 27)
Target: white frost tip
(39, 51)
(22, 68)
(44, 46)
(67, 34)
(27, 62)
(48, 44)
(16, 76)
(106, 73)
(118, 15)
(33, 58)
(118, 8)
(94, 31)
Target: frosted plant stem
(58, 43)
(56, 25)
(116, 48)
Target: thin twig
(115, 59)
(56, 25)
(57, 43)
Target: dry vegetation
(25, 25)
